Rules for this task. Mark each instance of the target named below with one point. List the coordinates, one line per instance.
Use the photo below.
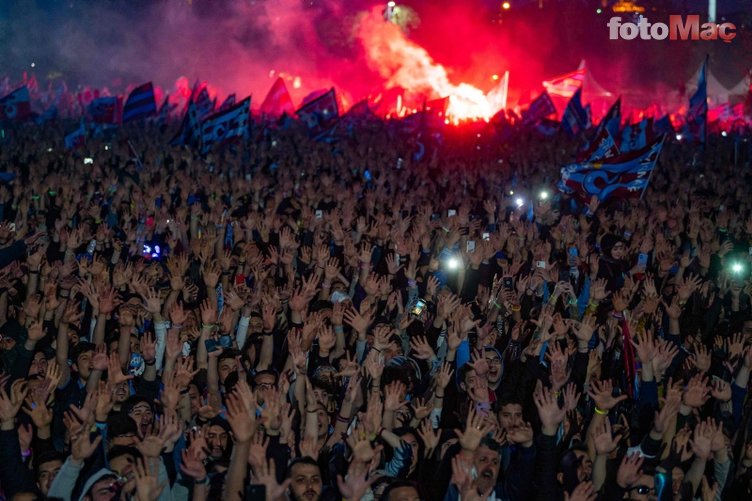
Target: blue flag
(612, 119)
(190, 129)
(635, 136)
(140, 103)
(663, 125)
(539, 109)
(228, 103)
(320, 115)
(697, 115)
(77, 138)
(576, 117)
(622, 176)
(225, 125)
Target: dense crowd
(286, 319)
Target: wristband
(326, 284)
(600, 412)
(340, 419)
(26, 453)
(203, 481)
(438, 396)
(150, 364)
(412, 283)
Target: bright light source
(390, 4)
(506, 5)
(511, 192)
(724, 133)
(544, 195)
(737, 268)
(598, 11)
(33, 65)
(520, 202)
(453, 263)
(678, 137)
(494, 77)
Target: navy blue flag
(77, 138)
(612, 119)
(228, 103)
(539, 109)
(576, 117)
(164, 111)
(106, 110)
(225, 125)
(190, 129)
(320, 115)
(48, 115)
(663, 125)
(622, 176)
(204, 104)
(603, 146)
(697, 115)
(140, 103)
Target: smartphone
(470, 246)
(319, 214)
(451, 213)
(418, 308)
(642, 261)
(367, 175)
(400, 163)
(255, 492)
(507, 283)
(487, 236)
(88, 160)
(573, 255)
(211, 345)
(13, 228)
(540, 264)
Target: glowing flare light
(405, 64)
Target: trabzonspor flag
(622, 176)
(140, 103)
(697, 116)
(320, 115)
(106, 110)
(225, 125)
(539, 109)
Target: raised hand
(602, 394)
(475, 429)
(551, 415)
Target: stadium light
(506, 5)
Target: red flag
(278, 100)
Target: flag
(623, 176)
(663, 125)
(576, 117)
(612, 119)
(636, 136)
(140, 103)
(228, 103)
(225, 125)
(320, 115)
(16, 105)
(106, 110)
(539, 109)
(547, 127)
(566, 85)
(164, 111)
(48, 115)
(697, 115)
(602, 147)
(190, 129)
(77, 138)
(204, 104)
(277, 100)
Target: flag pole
(650, 176)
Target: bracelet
(176, 326)
(412, 283)
(340, 419)
(326, 284)
(309, 411)
(376, 350)
(34, 272)
(208, 326)
(203, 481)
(497, 305)
(600, 412)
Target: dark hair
(81, 348)
(265, 372)
(304, 460)
(120, 424)
(46, 457)
(397, 484)
(122, 450)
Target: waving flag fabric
(697, 116)
(539, 109)
(228, 103)
(636, 136)
(106, 110)
(622, 176)
(320, 115)
(278, 100)
(566, 85)
(602, 147)
(576, 117)
(77, 138)
(16, 105)
(612, 119)
(226, 125)
(190, 129)
(140, 103)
